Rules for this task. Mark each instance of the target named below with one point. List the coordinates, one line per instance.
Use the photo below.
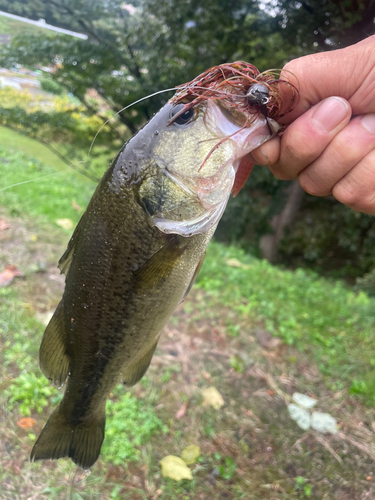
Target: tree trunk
(269, 242)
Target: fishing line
(41, 178)
(32, 180)
(127, 107)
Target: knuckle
(349, 196)
(280, 173)
(309, 185)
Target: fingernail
(330, 113)
(368, 122)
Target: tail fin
(60, 439)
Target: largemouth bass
(141, 242)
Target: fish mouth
(245, 134)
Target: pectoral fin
(54, 362)
(133, 374)
(160, 265)
(196, 272)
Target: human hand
(330, 142)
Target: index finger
(347, 73)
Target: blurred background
(284, 302)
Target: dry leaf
(267, 340)
(234, 263)
(190, 454)
(324, 422)
(300, 416)
(4, 225)
(76, 206)
(26, 422)
(303, 400)
(182, 411)
(212, 397)
(8, 275)
(175, 468)
(65, 223)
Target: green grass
(34, 149)
(323, 318)
(15, 27)
(51, 194)
(130, 424)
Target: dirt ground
(250, 447)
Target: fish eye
(185, 117)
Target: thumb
(347, 73)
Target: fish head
(201, 149)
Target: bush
(50, 86)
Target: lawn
(14, 27)
(319, 341)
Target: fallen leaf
(300, 416)
(65, 223)
(324, 422)
(303, 400)
(237, 363)
(175, 468)
(267, 340)
(76, 206)
(26, 422)
(190, 454)
(234, 263)
(33, 237)
(182, 410)
(4, 225)
(212, 397)
(8, 275)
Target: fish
(141, 242)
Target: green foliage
(63, 127)
(30, 392)
(324, 318)
(252, 209)
(130, 424)
(303, 486)
(367, 283)
(228, 468)
(315, 25)
(237, 363)
(49, 85)
(330, 237)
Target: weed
(303, 486)
(130, 423)
(30, 392)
